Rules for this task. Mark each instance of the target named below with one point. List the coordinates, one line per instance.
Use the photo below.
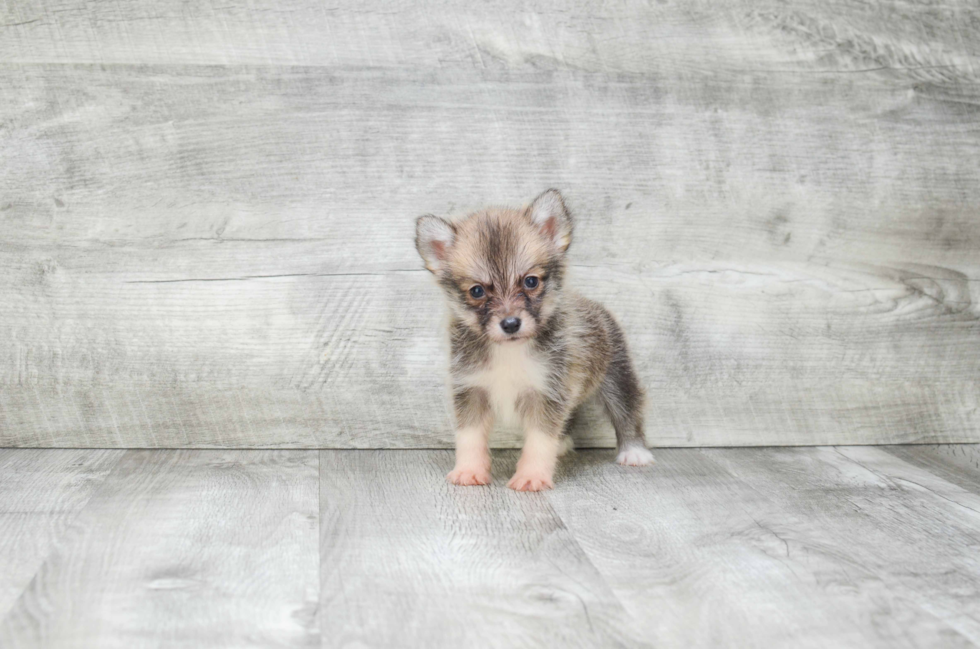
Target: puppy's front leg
(536, 468)
(543, 418)
(474, 420)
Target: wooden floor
(766, 547)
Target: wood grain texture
(206, 213)
(631, 36)
(41, 494)
(957, 463)
(183, 549)
(763, 547)
(409, 560)
(843, 547)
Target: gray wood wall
(206, 212)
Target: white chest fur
(511, 371)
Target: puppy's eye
(477, 292)
(530, 281)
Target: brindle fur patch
(472, 406)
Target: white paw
(530, 481)
(468, 476)
(635, 456)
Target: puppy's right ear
(433, 239)
(549, 214)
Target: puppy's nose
(510, 325)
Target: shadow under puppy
(523, 347)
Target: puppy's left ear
(433, 239)
(549, 214)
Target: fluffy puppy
(523, 347)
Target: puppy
(524, 348)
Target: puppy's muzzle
(510, 325)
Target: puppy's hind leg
(622, 395)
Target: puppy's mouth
(516, 337)
(506, 338)
(511, 328)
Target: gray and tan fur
(523, 347)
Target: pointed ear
(433, 239)
(549, 214)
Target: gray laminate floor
(815, 547)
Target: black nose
(510, 325)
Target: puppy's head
(502, 269)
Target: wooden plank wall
(206, 212)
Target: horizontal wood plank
(359, 362)
(935, 40)
(870, 169)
